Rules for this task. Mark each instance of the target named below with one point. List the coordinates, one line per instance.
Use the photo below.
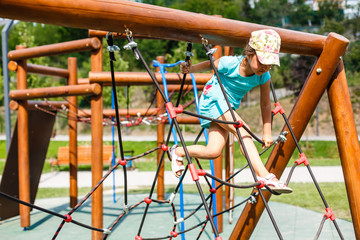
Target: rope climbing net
(172, 112)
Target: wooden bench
(84, 155)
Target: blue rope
(113, 145)
(176, 142)
(181, 191)
(196, 96)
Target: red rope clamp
(262, 184)
(148, 200)
(212, 190)
(278, 108)
(179, 109)
(201, 172)
(171, 110)
(122, 162)
(174, 234)
(68, 218)
(194, 172)
(329, 214)
(302, 159)
(239, 125)
(138, 238)
(164, 147)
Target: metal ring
(128, 32)
(203, 40)
(109, 33)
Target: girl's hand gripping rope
(185, 67)
(268, 140)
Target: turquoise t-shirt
(212, 101)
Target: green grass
(305, 195)
(59, 192)
(319, 153)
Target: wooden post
(228, 51)
(73, 162)
(347, 140)
(335, 46)
(97, 148)
(23, 146)
(160, 139)
(218, 165)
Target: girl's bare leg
(253, 154)
(216, 143)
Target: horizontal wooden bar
(47, 105)
(55, 49)
(176, 88)
(116, 35)
(143, 78)
(83, 81)
(48, 71)
(186, 120)
(153, 21)
(73, 90)
(102, 34)
(134, 112)
(12, 66)
(122, 112)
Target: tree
(301, 15)
(270, 12)
(328, 9)
(354, 22)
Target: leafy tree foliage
(269, 12)
(281, 13)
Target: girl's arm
(199, 67)
(265, 105)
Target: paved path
(141, 179)
(294, 223)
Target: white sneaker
(175, 167)
(276, 186)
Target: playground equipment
(50, 107)
(151, 21)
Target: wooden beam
(122, 112)
(83, 90)
(347, 140)
(152, 21)
(48, 105)
(160, 136)
(97, 148)
(23, 146)
(72, 123)
(48, 71)
(143, 78)
(55, 49)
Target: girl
(239, 74)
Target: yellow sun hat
(267, 46)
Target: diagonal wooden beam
(347, 140)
